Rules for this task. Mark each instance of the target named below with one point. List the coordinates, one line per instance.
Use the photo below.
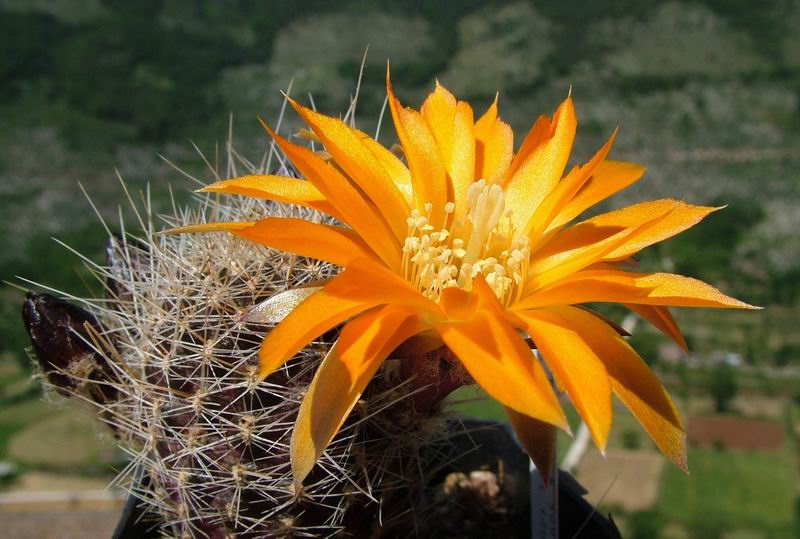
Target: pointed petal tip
(682, 462)
(733, 303)
(266, 127)
(297, 488)
(303, 111)
(213, 187)
(601, 442)
(187, 229)
(295, 105)
(300, 468)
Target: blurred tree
(647, 343)
(500, 48)
(26, 41)
(322, 54)
(150, 65)
(646, 525)
(788, 353)
(631, 440)
(682, 40)
(723, 386)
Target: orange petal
(500, 361)
(428, 174)
(458, 304)
(627, 287)
(680, 216)
(633, 382)
(349, 202)
(541, 130)
(494, 146)
(577, 367)
(364, 284)
(579, 247)
(609, 178)
(439, 111)
(393, 166)
(662, 319)
(538, 439)
(333, 244)
(542, 169)
(461, 164)
(359, 163)
(451, 124)
(371, 282)
(344, 373)
(317, 314)
(564, 191)
(279, 188)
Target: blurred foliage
(786, 354)
(646, 525)
(647, 343)
(499, 47)
(733, 490)
(706, 92)
(631, 439)
(723, 387)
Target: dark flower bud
(60, 337)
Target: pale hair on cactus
(169, 361)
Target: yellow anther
(476, 243)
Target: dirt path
(626, 478)
(59, 525)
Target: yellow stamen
(482, 243)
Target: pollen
(483, 242)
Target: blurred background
(706, 94)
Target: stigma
(481, 242)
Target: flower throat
(479, 242)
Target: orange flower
(471, 244)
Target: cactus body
(170, 365)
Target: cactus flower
(463, 242)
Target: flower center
(480, 242)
